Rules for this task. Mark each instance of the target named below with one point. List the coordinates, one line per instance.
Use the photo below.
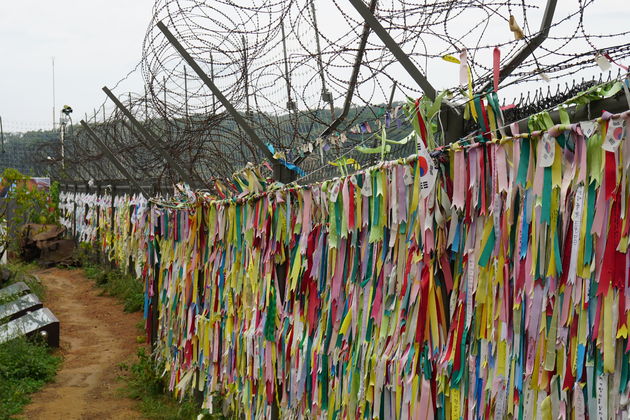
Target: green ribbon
(487, 249)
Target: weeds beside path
(96, 337)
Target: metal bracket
(112, 158)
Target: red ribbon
(495, 67)
(613, 61)
(569, 379)
(614, 263)
(423, 127)
(610, 174)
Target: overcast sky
(94, 42)
(97, 42)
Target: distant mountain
(20, 151)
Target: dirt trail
(96, 335)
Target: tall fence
(488, 280)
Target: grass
(143, 383)
(25, 365)
(6, 299)
(22, 272)
(115, 283)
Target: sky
(94, 42)
(97, 42)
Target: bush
(30, 205)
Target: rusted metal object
(46, 244)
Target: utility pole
(186, 93)
(353, 78)
(290, 104)
(214, 102)
(2, 135)
(54, 114)
(62, 136)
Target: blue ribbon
(288, 165)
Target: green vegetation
(21, 272)
(25, 365)
(119, 285)
(27, 151)
(143, 383)
(32, 205)
(26, 204)
(37, 137)
(113, 281)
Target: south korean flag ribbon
(426, 169)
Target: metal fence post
(358, 60)
(154, 311)
(97, 246)
(74, 216)
(111, 220)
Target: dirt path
(96, 335)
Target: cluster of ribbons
(116, 228)
(501, 291)
(85, 209)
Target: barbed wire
(286, 65)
